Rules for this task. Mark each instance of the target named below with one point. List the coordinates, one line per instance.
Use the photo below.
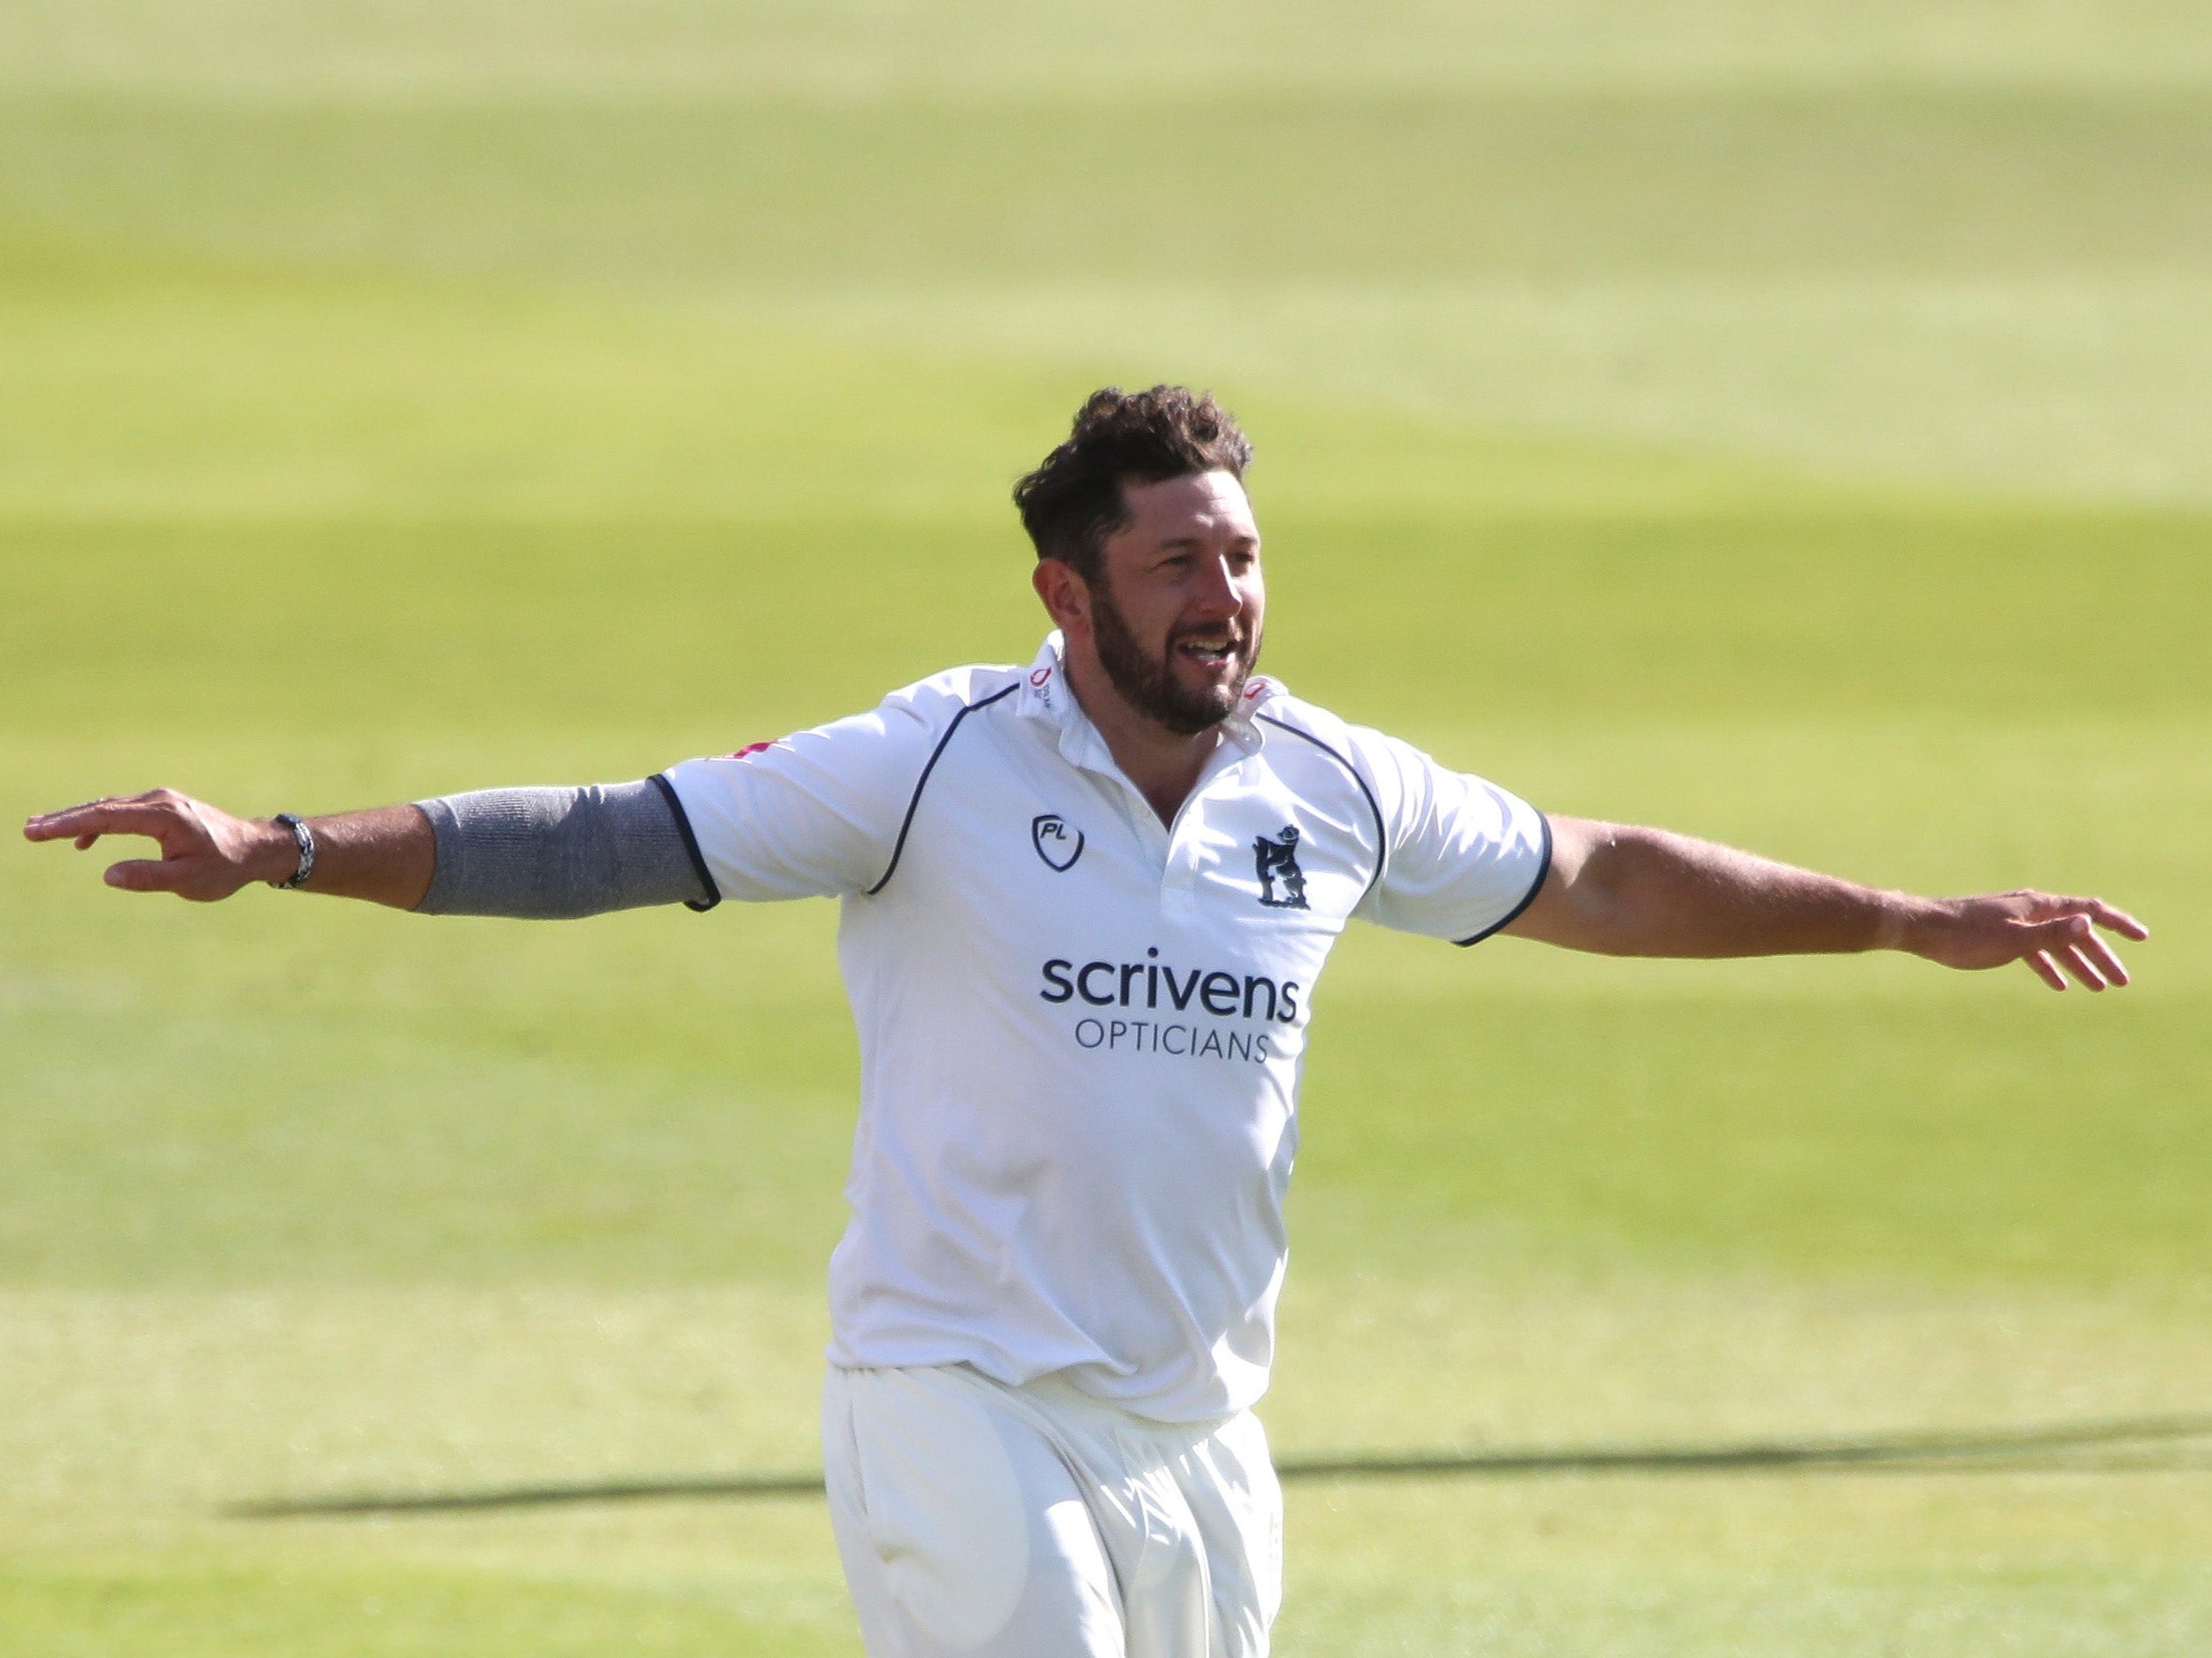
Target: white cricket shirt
(1080, 1030)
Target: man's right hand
(385, 855)
(206, 854)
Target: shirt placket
(1183, 854)
(1177, 850)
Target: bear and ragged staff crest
(1276, 862)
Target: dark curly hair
(1072, 502)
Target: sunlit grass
(1685, 452)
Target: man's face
(1177, 618)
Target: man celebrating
(1085, 906)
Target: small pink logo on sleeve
(750, 748)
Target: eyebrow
(1199, 541)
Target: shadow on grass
(2143, 1445)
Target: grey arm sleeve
(556, 853)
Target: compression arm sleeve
(555, 853)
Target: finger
(103, 817)
(2047, 907)
(2063, 931)
(2064, 940)
(2044, 969)
(2102, 957)
(53, 826)
(2075, 963)
(148, 874)
(69, 811)
(2117, 920)
(84, 842)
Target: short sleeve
(814, 815)
(1465, 856)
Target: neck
(1164, 765)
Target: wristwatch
(305, 837)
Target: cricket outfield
(1784, 425)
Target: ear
(1065, 596)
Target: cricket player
(1085, 905)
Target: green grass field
(1786, 423)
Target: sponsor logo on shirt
(1058, 842)
(1153, 1035)
(1153, 983)
(1156, 986)
(1282, 883)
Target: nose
(1220, 591)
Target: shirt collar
(1044, 696)
(1044, 693)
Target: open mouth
(1208, 653)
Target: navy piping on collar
(1542, 869)
(922, 781)
(690, 847)
(1382, 834)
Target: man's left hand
(2055, 936)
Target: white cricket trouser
(1036, 1522)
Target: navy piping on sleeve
(922, 781)
(1542, 870)
(690, 846)
(1382, 834)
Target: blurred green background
(1784, 421)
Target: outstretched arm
(541, 853)
(1621, 890)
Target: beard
(1148, 683)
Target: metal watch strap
(305, 837)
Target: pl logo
(1057, 841)
(1274, 861)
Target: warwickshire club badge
(1057, 841)
(1276, 861)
